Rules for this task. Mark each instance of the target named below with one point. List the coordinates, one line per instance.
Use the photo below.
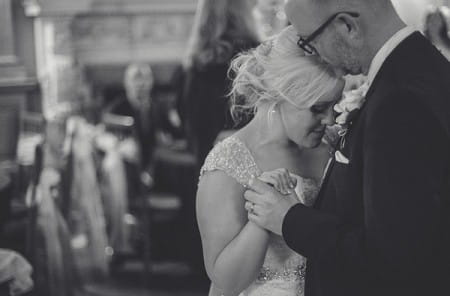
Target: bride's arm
(233, 248)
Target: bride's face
(306, 127)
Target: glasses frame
(304, 43)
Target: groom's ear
(348, 25)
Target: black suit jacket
(381, 224)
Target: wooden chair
(24, 172)
(9, 131)
(149, 206)
(33, 202)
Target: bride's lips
(319, 131)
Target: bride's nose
(328, 117)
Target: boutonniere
(352, 101)
(348, 107)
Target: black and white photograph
(224, 148)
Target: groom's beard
(346, 55)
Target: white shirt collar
(386, 50)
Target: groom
(381, 223)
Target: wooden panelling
(7, 55)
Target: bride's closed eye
(320, 108)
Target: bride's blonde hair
(278, 70)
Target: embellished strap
(233, 157)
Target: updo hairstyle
(275, 71)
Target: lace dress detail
(233, 157)
(283, 270)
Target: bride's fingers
(285, 179)
(280, 179)
(254, 218)
(277, 179)
(284, 187)
(292, 182)
(266, 178)
(289, 181)
(249, 206)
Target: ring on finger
(252, 208)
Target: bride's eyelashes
(320, 108)
(316, 109)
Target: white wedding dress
(283, 270)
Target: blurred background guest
(137, 103)
(437, 29)
(222, 28)
(154, 123)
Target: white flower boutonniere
(352, 100)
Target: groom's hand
(267, 207)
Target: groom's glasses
(304, 43)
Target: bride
(292, 98)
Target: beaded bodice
(283, 270)
(233, 157)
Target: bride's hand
(280, 179)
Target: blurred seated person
(437, 29)
(153, 121)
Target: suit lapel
(370, 91)
(321, 194)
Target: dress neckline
(241, 143)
